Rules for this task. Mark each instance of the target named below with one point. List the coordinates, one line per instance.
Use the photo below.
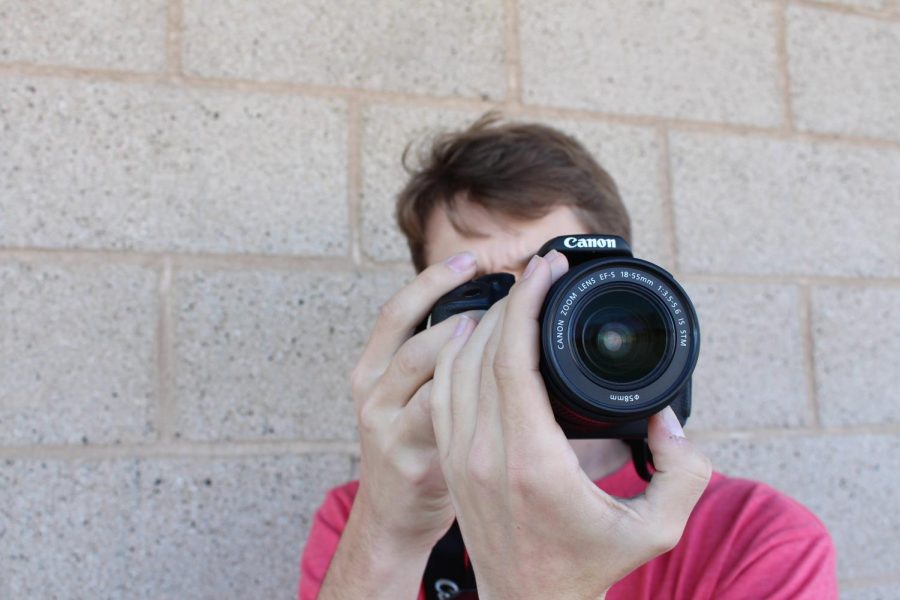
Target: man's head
(501, 190)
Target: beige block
(630, 154)
(751, 371)
(78, 359)
(267, 354)
(845, 480)
(844, 73)
(109, 165)
(707, 61)
(857, 354)
(105, 34)
(159, 528)
(763, 206)
(443, 48)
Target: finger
(442, 385)
(467, 401)
(523, 396)
(681, 474)
(414, 421)
(408, 307)
(412, 365)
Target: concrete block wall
(196, 233)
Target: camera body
(619, 337)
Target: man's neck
(599, 458)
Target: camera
(619, 337)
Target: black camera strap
(449, 574)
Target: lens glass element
(620, 336)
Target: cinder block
(630, 154)
(230, 528)
(751, 371)
(267, 354)
(692, 60)
(885, 591)
(444, 48)
(110, 165)
(95, 34)
(69, 528)
(845, 480)
(765, 206)
(856, 331)
(153, 528)
(865, 4)
(844, 73)
(78, 359)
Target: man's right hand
(402, 507)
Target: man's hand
(534, 524)
(402, 507)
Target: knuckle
(504, 368)
(358, 382)
(392, 312)
(667, 537)
(409, 360)
(367, 418)
(480, 468)
(523, 482)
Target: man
(455, 422)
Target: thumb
(681, 474)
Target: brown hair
(520, 170)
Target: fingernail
(461, 325)
(532, 265)
(551, 256)
(671, 423)
(461, 262)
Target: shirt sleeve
(325, 533)
(786, 552)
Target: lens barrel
(619, 341)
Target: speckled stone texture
(441, 48)
(846, 480)
(857, 354)
(267, 354)
(107, 165)
(77, 359)
(629, 154)
(106, 34)
(159, 527)
(763, 206)
(751, 371)
(698, 60)
(844, 73)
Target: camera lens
(620, 336)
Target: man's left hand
(534, 524)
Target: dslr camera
(619, 338)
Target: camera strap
(449, 574)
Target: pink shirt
(743, 540)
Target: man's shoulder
(749, 499)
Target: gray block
(159, 528)
(844, 73)
(630, 154)
(91, 34)
(857, 354)
(109, 165)
(690, 59)
(444, 48)
(751, 371)
(78, 359)
(885, 591)
(775, 207)
(846, 481)
(267, 354)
